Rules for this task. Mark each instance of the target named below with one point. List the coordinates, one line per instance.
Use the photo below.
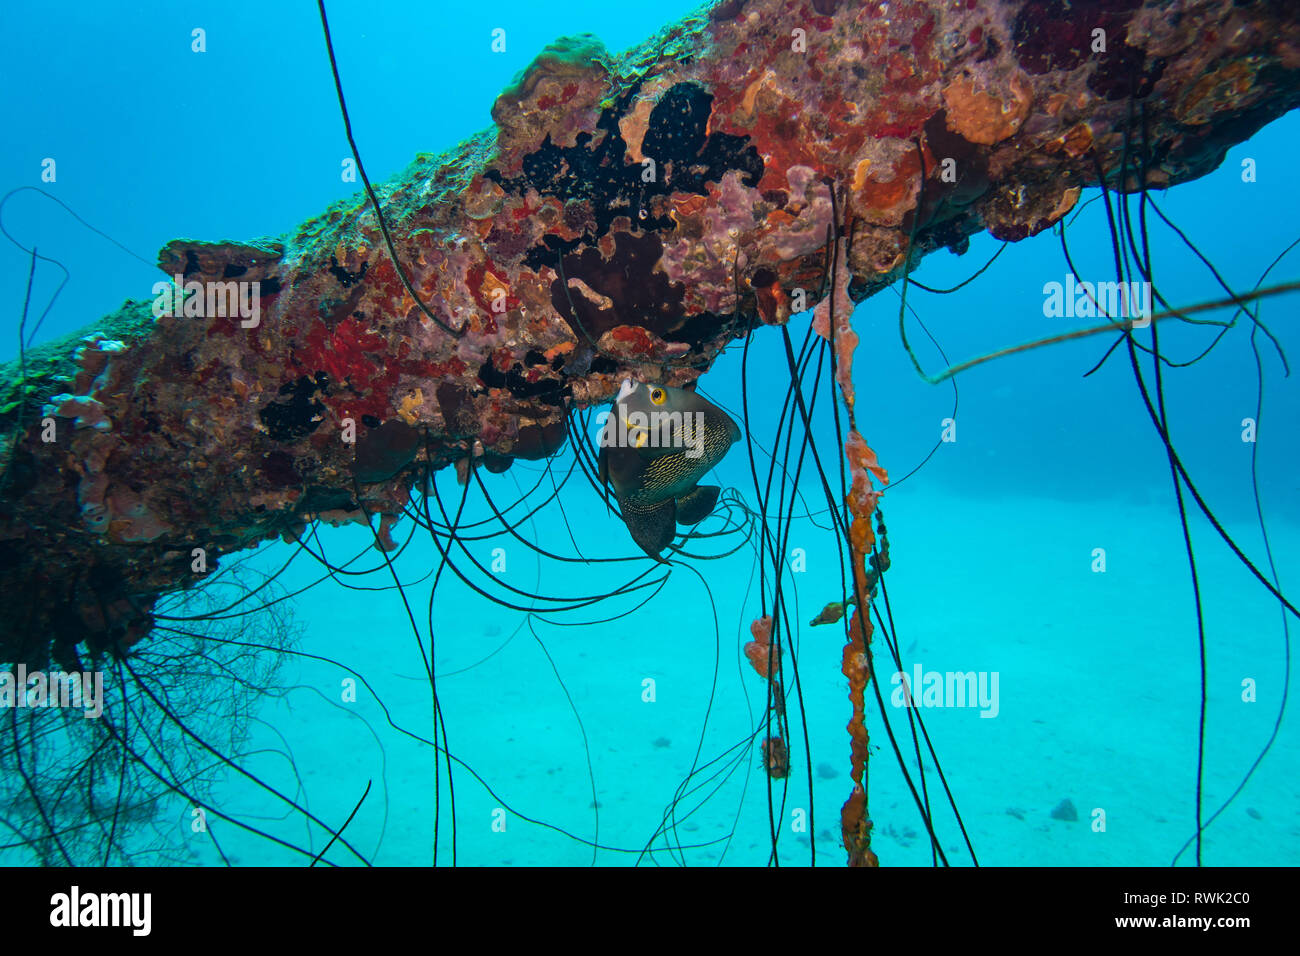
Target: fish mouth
(626, 389)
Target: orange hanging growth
(831, 319)
(765, 658)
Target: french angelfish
(657, 444)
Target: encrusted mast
(138, 455)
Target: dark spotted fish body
(657, 445)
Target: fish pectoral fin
(697, 504)
(653, 527)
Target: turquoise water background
(992, 542)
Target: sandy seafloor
(1098, 704)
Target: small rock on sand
(1065, 811)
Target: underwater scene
(763, 433)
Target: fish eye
(658, 395)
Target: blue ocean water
(556, 754)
